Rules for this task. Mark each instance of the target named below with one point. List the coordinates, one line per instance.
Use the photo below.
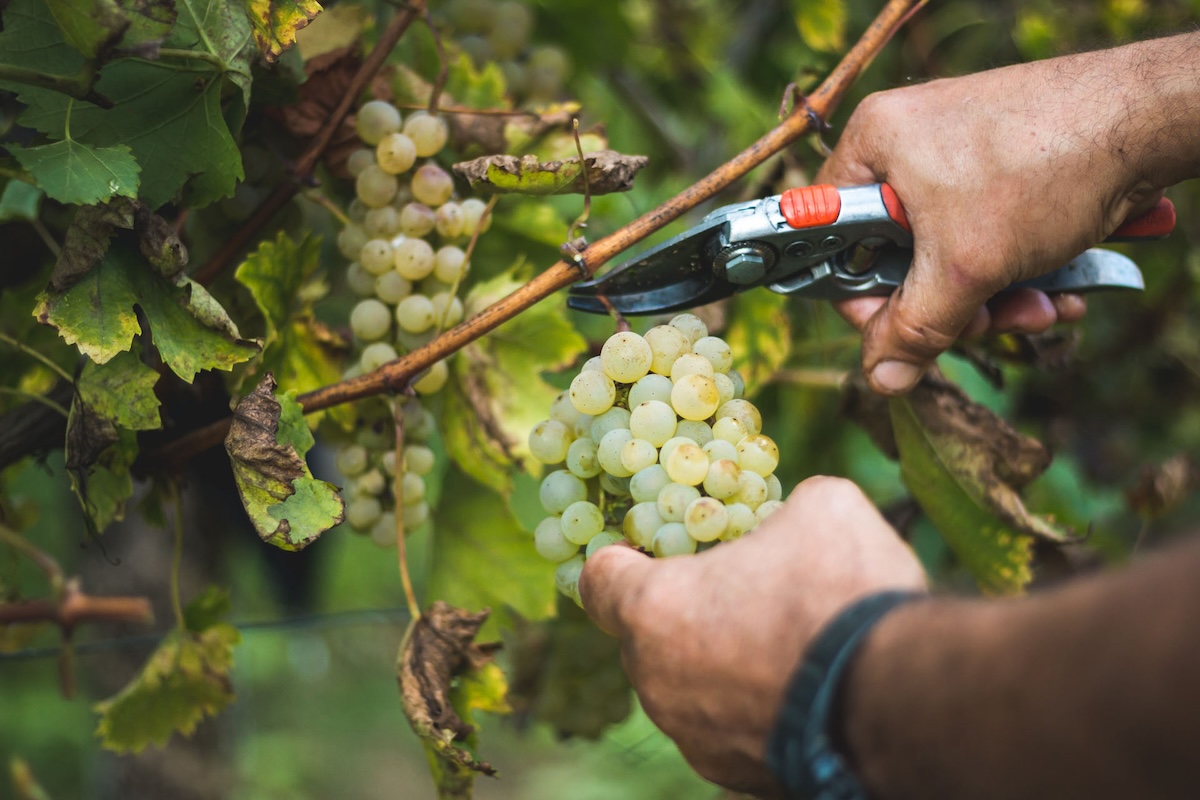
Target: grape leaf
(822, 24)
(87, 240)
(965, 465)
(275, 23)
(438, 651)
(487, 566)
(20, 201)
(75, 173)
(31, 39)
(100, 479)
(221, 29)
(90, 26)
(497, 393)
(190, 329)
(121, 390)
(606, 171)
(266, 444)
(184, 680)
(760, 335)
(476, 87)
(297, 349)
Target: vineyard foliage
(186, 222)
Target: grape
(602, 539)
(672, 539)
(559, 489)
(696, 430)
(550, 543)
(471, 16)
(759, 454)
(669, 446)
(477, 48)
(646, 483)
(351, 460)
(548, 67)
(357, 210)
(418, 459)
(637, 454)
(447, 309)
(382, 223)
(716, 351)
(431, 185)
(592, 365)
(667, 344)
(608, 452)
(740, 518)
(391, 288)
(691, 364)
(582, 426)
(362, 511)
(450, 264)
(722, 481)
(359, 160)
(614, 485)
(474, 211)
(513, 23)
(581, 458)
(415, 515)
(413, 259)
(376, 119)
(375, 187)
(774, 488)
(415, 313)
(449, 220)
(350, 241)
(642, 521)
(376, 355)
(433, 380)
(383, 532)
(516, 77)
(376, 256)
(706, 519)
(752, 489)
(625, 357)
(767, 508)
(592, 392)
(653, 421)
(396, 153)
(359, 280)
(692, 326)
(689, 464)
(739, 383)
(726, 391)
(729, 429)
(562, 410)
(370, 320)
(417, 219)
(581, 521)
(548, 441)
(651, 387)
(566, 577)
(428, 133)
(745, 412)
(412, 488)
(674, 499)
(695, 397)
(719, 449)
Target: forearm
(1089, 691)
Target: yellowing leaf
(266, 444)
(74, 173)
(760, 335)
(822, 24)
(122, 391)
(275, 23)
(606, 171)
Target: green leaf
(31, 39)
(482, 87)
(497, 393)
(20, 201)
(275, 23)
(760, 335)
(221, 29)
(185, 680)
(298, 350)
(190, 329)
(822, 24)
(490, 565)
(606, 171)
(965, 465)
(121, 390)
(74, 173)
(266, 444)
(207, 609)
(90, 26)
(103, 484)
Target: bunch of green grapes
(653, 444)
(406, 243)
(501, 32)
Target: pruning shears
(821, 242)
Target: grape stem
(805, 118)
(410, 596)
(302, 172)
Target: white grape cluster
(501, 32)
(406, 243)
(653, 444)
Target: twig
(177, 557)
(410, 596)
(36, 398)
(45, 562)
(29, 351)
(303, 169)
(396, 373)
(75, 607)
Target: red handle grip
(1154, 224)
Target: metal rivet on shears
(832, 242)
(799, 249)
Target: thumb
(611, 582)
(919, 321)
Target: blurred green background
(689, 83)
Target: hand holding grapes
(709, 641)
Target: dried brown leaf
(607, 171)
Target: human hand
(1004, 175)
(710, 641)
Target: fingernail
(896, 376)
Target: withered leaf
(1163, 487)
(87, 237)
(606, 171)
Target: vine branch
(803, 119)
(303, 169)
(74, 608)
